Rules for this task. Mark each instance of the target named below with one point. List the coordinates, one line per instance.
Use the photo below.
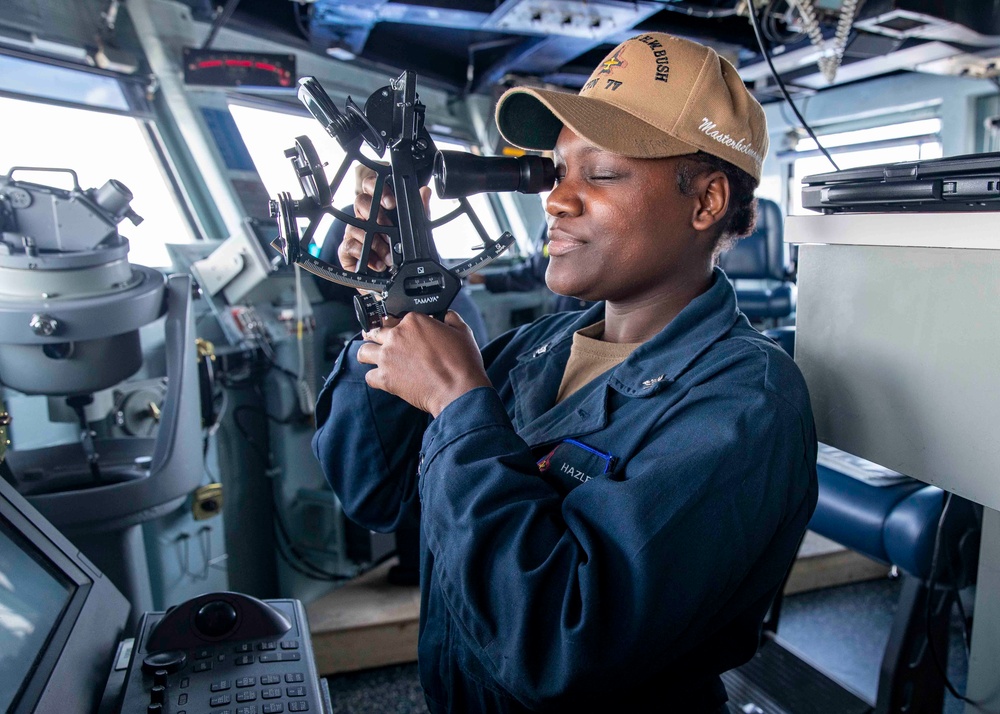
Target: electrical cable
(848, 10)
(296, 563)
(248, 374)
(264, 457)
(221, 19)
(832, 56)
(470, 67)
(220, 413)
(301, 563)
(296, 567)
(781, 85)
(966, 633)
(306, 376)
(237, 379)
(287, 550)
(250, 378)
(935, 553)
(212, 430)
(263, 345)
(77, 404)
(770, 25)
(295, 559)
(811, 27)
(297, 13)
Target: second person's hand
(380, 257)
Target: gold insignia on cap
(613, 61)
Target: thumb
(453, 319)
(425, 196)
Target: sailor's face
(619, 228)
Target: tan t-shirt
(589, 357)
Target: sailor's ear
(711, 191)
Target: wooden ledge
(823, 563)
(368, 622)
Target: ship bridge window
(902, 141)
(57, 117)
(25, 77)
(268, 132)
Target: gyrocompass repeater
(393, 121)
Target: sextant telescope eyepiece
(459, 173)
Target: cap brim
(532, 118)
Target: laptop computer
(955, 183)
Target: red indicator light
(237, 69)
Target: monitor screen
(33, 597)
(60, 617)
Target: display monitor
(60, 617)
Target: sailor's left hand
(424, 361)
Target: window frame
(134, 89)
(135, 93)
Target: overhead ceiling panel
(475, 46)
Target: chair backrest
(762, 254)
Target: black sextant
(392, 121)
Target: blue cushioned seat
(911, 529)
(856, 514)
(761, 269)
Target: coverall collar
(651, 368)
(666, 356)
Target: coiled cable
(832, 55)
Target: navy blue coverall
(615, 549)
